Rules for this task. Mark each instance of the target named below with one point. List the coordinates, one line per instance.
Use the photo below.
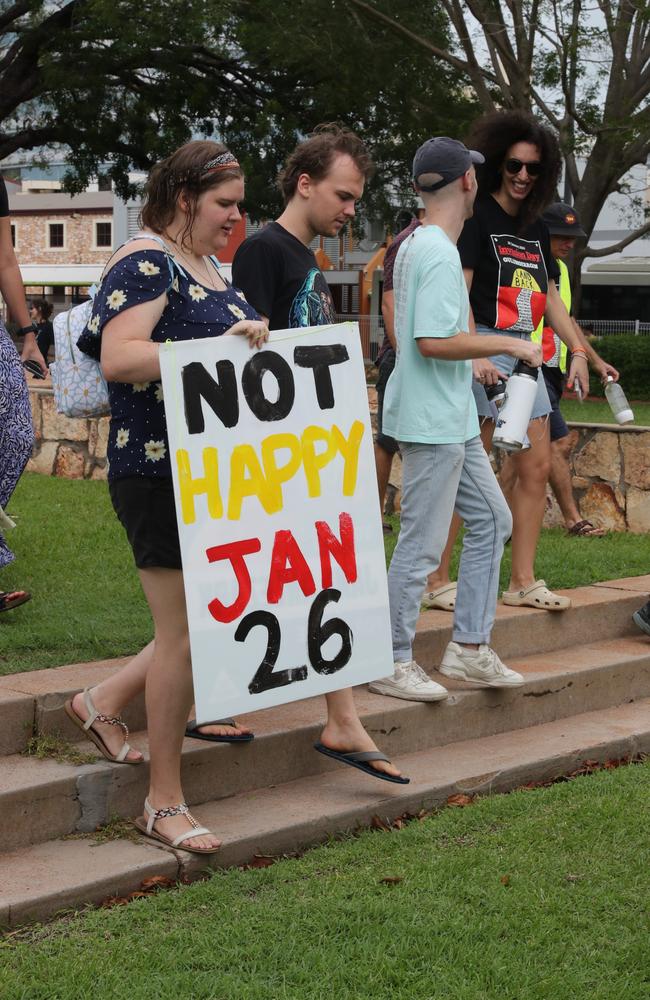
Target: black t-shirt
(4, 201)
(511, 270)
(280, 278)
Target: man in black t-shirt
(280, 277)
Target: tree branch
(616, 247)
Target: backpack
(80, 389)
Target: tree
(584, 68)
(126, 81)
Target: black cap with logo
(562, 220)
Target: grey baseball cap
(448, 158)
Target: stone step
(33, 702)
(40, 881)
(43, 799)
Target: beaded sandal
(111, 720)
(147, 830)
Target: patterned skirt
(16, 430)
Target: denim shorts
(506, 363)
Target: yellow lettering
(243, 460)
(314, 460)
(278, 474)
(191, 488)
(349, 448)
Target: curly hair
(191, 170)
(493, 135)
(314, 156)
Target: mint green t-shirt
(429, 401)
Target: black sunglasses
(513, 166)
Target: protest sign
(276, 500)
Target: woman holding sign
(163, 285)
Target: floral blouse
(137, 441)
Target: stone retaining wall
(73, 449)
(610, 464)
(611, 475)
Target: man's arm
(465, 347)
(388, 313)
(483, 370)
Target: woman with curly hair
(511, 276)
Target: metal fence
(371, 329)
(615, 327)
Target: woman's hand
(255, 331)
(31, 353)
(526, 351)
(580, 370)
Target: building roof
(59, 201)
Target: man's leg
(430, 476)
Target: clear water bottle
(618, 403)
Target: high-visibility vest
(554, 350)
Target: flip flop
(586, 529)
(192, 730)
(360, 759)
(13, 599)
(536, 596)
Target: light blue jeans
(436, 478)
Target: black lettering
(318, 634)
(221, 395)
(320, 358)
(265, 679)
(251, 382)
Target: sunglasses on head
(533, 169)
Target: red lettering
(235, 552)
(288, 565)
(342, 549)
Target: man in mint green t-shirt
(429, 408)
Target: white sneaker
(481, 666)
(411, 683)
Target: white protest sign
(276, 500)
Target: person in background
(430, 410)
(275, 267)
(16, 430)
(511, 276)
(386, 447)
(40, 311)
(564, 227)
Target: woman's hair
(43, 307)
(494, 134)
(315, 155)
(194, 168)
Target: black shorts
(386, 366)
(554, 380)
(145, 508)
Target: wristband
(579, 353)
(30, 328)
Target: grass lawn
(73, 556)
(597, 411)
(537, 895)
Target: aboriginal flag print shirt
(511, 269)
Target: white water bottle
(514, 415)
(618, 403)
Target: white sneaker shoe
(481, 666)
(411, 683)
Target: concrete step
(39, 881)
(33, 702)
(40, 800)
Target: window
(56, 235)
(103, 234)
(104, 183)
(13, 235)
